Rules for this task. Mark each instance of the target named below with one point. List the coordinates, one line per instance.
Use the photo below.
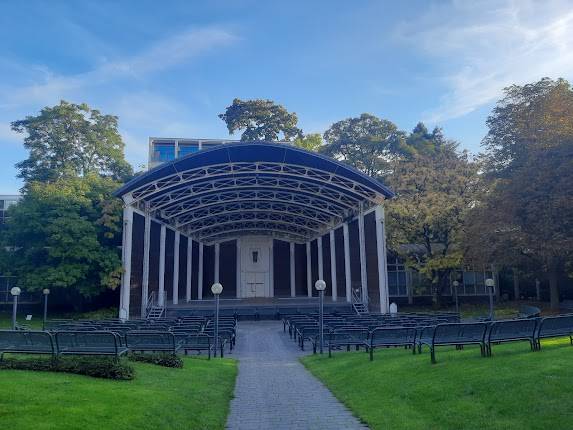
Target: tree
(65, 235)
(261, 120)
(367, 143)
(310, 142)
(426, 219)
(70, 140)
(529, 168)
(529, 117)
(421, 142)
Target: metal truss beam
(251, 195)
(265, 207)
(254, 169)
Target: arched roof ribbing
(253, 188)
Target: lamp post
(45, 292)
(456, 284)
(15, 293)
(490, 283)
(216, 289)
(320, 286)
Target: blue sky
(168, 68)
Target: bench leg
(371, 354)
(433, 354)
(329, 352)
(413, 349)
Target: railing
(151, 302)
(357, 295)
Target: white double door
(256, 270)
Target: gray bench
(89, 343)
(26, 342)
(556, 326)
(197, 342)
(348, 337)
(455, 334)
(392, 336)
(151, 341)
(510, 331)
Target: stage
(257, 308)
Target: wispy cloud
(162, 55)
(124, 86)
(486, 45)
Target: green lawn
(195, 397)
(515, 389)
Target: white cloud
(484, 46)
(162, 55)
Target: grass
(515, 389)
(194, 397)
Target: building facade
(6, 201)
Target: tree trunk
(515, 284)
(554, 289)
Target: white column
(382, 259)
(161, 294)
(126, 260)
(216, 264)
(347, 275)
(176, 267)
(333, 266)
(238, 274)
(292, 271)
(189, 269)
(308, 270)
(145, 274)
(320, 259)
(200, 273)
(363, 276)
(272, 269)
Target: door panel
(255, 267)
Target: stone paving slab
(275, 391)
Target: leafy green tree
(526, 216)
(367, 143)
(426, 219)
(310, 142)
(70, 140)
(65, 235)
(261, 120)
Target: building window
(397, 278)
(187, 148)
(163, 151)
(473, 282)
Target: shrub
(166, 360)
(98, 367)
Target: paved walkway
(274, 391)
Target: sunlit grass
(514, 389)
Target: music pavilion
(266, 220)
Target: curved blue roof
(213, 193)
